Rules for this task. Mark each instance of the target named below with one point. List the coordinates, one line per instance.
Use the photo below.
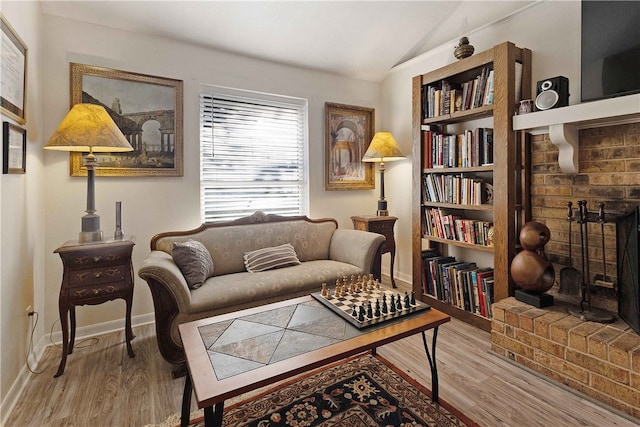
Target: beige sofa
(325, 252)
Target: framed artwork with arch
(348, 131)
(147, 109)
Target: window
(253, 154)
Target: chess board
(344, 306)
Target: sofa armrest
(160, 267)
(355, 247)
(171, 295)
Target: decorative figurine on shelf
(530, 268)
(464, 49)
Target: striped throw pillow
(270, 258)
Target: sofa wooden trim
(256, 218)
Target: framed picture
(348, 131)
(147, 109)
(14, 148)
(13, 57)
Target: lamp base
(382, 208)
(90, 228)
(90, 236)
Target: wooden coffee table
(234, 353)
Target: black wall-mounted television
(610, 49)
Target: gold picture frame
(348, 132)
(147, 109)
(13, 57)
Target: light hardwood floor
(102, 386)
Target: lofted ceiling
(359, 39)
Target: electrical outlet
(29, 310)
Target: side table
(381, 225)
(94, 272)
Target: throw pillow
(270, 258)
(194, 261)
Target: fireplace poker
(570, 277)
(604, 282)
(581, 221)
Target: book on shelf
(470, 148)
(456, 189)
(441, 224)
(459, 283)
(446, 97)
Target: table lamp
(383, 148)
(89, 128)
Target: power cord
(34, 314)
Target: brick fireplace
(609, 172)
(602, 361)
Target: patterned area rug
(362, 392)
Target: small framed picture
(14, 148)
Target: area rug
(363, 391)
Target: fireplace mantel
(563, 124)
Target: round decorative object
(534, 236)
(532, 272)
(464, 49)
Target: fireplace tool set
(571, 279)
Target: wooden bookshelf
(509, 210)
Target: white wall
(551, 30)
(21, 217)
(152, 205)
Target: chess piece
(324, 290)
(369, 310)
(399, 303)
(361, 313)
(385, 309)
(413, 298)
(392, 307)
(354, 313)
(406, 300)
(377, 311)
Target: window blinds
(253, 155)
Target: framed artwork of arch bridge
(348, 132)
(147, 109)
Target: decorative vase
(464, 49)
(534, 235)
(532, 271)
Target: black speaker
(552, 93)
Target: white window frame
(219, 195)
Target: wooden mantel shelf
(563, 124)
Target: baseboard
(100, 328)
(6, 406)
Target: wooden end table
(94, 272)
(381, 225)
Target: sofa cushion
(270, 258)
(194, 261)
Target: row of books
(446, 97)
(458, 283)
(438, 223)
(469, 149)
(456, 189)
